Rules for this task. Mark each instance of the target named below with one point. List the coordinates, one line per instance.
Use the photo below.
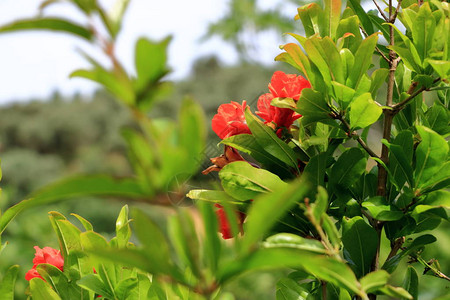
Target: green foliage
(303, 197)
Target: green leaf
(310, 15)
(289, 289)
(322, 267)
(364, 58)
(53, 24)
(185, 241)
(374, 280)
(8, 283)
(127, 289)
(378, 78)
(347, 169)
(396, 292)
(360, 242)
(192, 133)
(123, 230)
(411, 282)
(342, 93)
(154, 242)
(86, 224)
(40, 290)
(442, 67)
(212, 246)
(212, 196)
(362, 15)
(431, 154)
(332, 17)
(364, 111)
(423, 30)
(59, 282)
(331, 231)
(349, 27)
(99, 185)
(117, 83)
(150, 63)
(313, 107)
(242, 181)
(269, 141)
(268, 208)
(402, 166)
(289, 240)
(315, 169)
(381, 210)
(248, 144)
(93, 283)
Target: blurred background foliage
(43, 140)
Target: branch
(376, 47)
(399, 106)
(381, 11)
(394, 16)
(429, 267)
(353, 134)
(395, 247)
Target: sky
(35, 64)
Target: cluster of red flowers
(230, 120)
(46, 255)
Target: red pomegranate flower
(46, 255)
(282, 117)
(230, 120)
(224, 224)
(287, 85)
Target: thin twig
(381, 11)
(353, 134)
(399, 106)
(428, 266)
(394, 16)
(395, 247)
(376, 47)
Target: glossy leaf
(315, 169)
(93, 283)
(381, 210)
(411, 282)
(360, 241)
(362, 15)
(364, 111)
(348, 168)
(40, 290)
(374, 280)
(289, 289)
(289, 240)
(364, 58)
(431, 154)
(123, 230)
(396, 292)
(332, 14)
(269, 141)
(248, 144)
(313, 107)
(242, 181)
